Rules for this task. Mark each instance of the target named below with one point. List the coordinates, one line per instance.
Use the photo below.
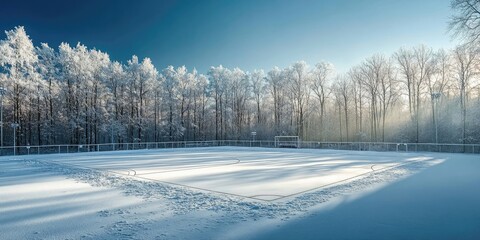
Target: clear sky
(249, 34)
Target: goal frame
(290, 142)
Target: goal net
(287, 141)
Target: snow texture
(45, 197)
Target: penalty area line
(350, 178)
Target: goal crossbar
(287, 141)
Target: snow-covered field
(240, 193)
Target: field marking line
(137, 177)
(143, 178)
(257, 197)
(350, 178)
(233, 194)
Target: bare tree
(358, 96)
(415, 66)
(298, 83)
(371, 72)
(465, 24)
(423, 57)
(343, 91)
(466, 67)
(388, 92)
(320, 87)
(406, 65)
(437, 82)
(276, 86)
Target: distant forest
(79, 95)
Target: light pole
(113, 143)
(3, 91)
(435, 97)
(15, 126)
(111, 128)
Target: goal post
(287, 142)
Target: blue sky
(247, 34)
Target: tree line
(78, 95)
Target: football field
(252, 173)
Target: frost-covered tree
(18, 62)
(98, 94)
(200, 104)
(48, 67)
(276, 85)
(218, 82)
(116, 102)
(141, 78)
(71, 71)
(239, 89)
(171, 85)
(84, 79)
(257, 80)
(186, 81)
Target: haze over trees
(78, 95)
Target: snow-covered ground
(240, 193)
